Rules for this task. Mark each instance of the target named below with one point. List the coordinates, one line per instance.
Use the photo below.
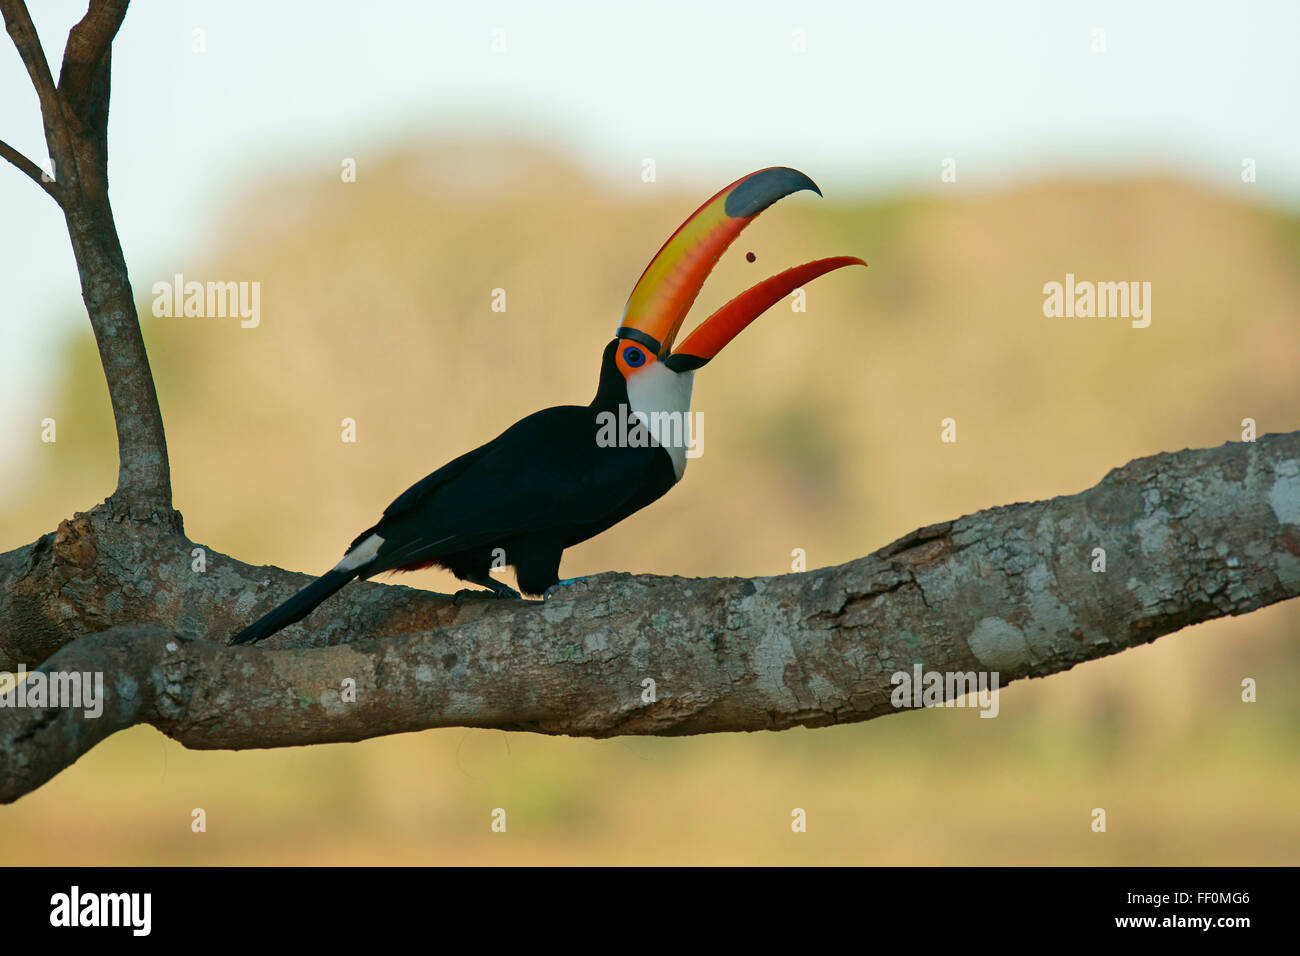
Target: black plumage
(555, 478)
(542, 485)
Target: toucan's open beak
(668, 287)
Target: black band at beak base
(636, 335)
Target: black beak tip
(764, 188)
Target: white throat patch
(661, 399)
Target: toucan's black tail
(294, 609)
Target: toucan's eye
(633, 356)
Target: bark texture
(1188, 537)
(120, 591)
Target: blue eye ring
(633, 356)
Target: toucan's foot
(492, 588)
(554, 589)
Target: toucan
(565, 474)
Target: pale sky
(882, 94)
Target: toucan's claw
(554, 589)
(493, 588)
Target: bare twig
(32, 171)
(18, 23)
(76, 129)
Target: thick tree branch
(1188, 537)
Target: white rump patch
(363, 553)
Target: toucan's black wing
(545, 471)
(422, 490)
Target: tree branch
(83, 80)
(1188, 537)
(76, 129)
(18, 23)
(33, 172)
